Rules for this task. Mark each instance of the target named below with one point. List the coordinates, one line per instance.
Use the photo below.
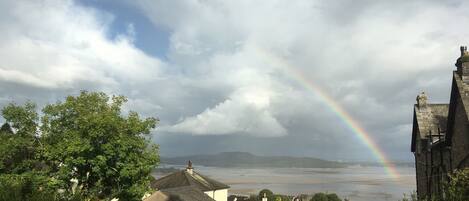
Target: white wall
(218, 195)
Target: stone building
(440, 134)
(188, 185)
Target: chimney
(462, 64)
(189, 168)
(422, 100)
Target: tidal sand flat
(354, 183)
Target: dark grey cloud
(372, 57)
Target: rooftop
(187, 193)
(185, 178)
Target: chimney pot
(422, 100)
(189, 168)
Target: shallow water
(354, 183)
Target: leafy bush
(458, 187)
(319, 197)
(456, 190)
(413, 197)
(325, 197)
(333, 197)
(27, 186)
(268, 193)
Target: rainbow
(335, 107)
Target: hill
(248, 160)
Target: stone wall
(421, 174)
(432, 168)
(460, 138)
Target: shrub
(458, 187)
(319, 197)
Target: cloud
(59, 44)
(225, 75)
(372, 57)
(246, 112)
(20, 77)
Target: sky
(223, 75)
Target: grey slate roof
(431, 118)
(183, 178)
(460, 90)
(186, 193)
(184, 186)
(463, 90)
(428, 120)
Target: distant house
(440, 134)
(188, 185)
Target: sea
(356, 183)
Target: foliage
(325, 197)
(413, 197)
(279, 197)
(18, 151)
(6, 129)
(319, 197)
(268, 193)
(270, 196)
(28, 186)
(333, 197)
(84, 148)
(458, 187)
(22, 118)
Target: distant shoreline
(248, 160)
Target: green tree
(268, 193)
(27, 186)
(88, 139)
(279, 197)
(21, 173)
(18, 152)
(319, 197)
(333, 197)
(84, 148)
(325, 197)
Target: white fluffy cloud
(247, 109)
(246, 112)
(58, 44)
